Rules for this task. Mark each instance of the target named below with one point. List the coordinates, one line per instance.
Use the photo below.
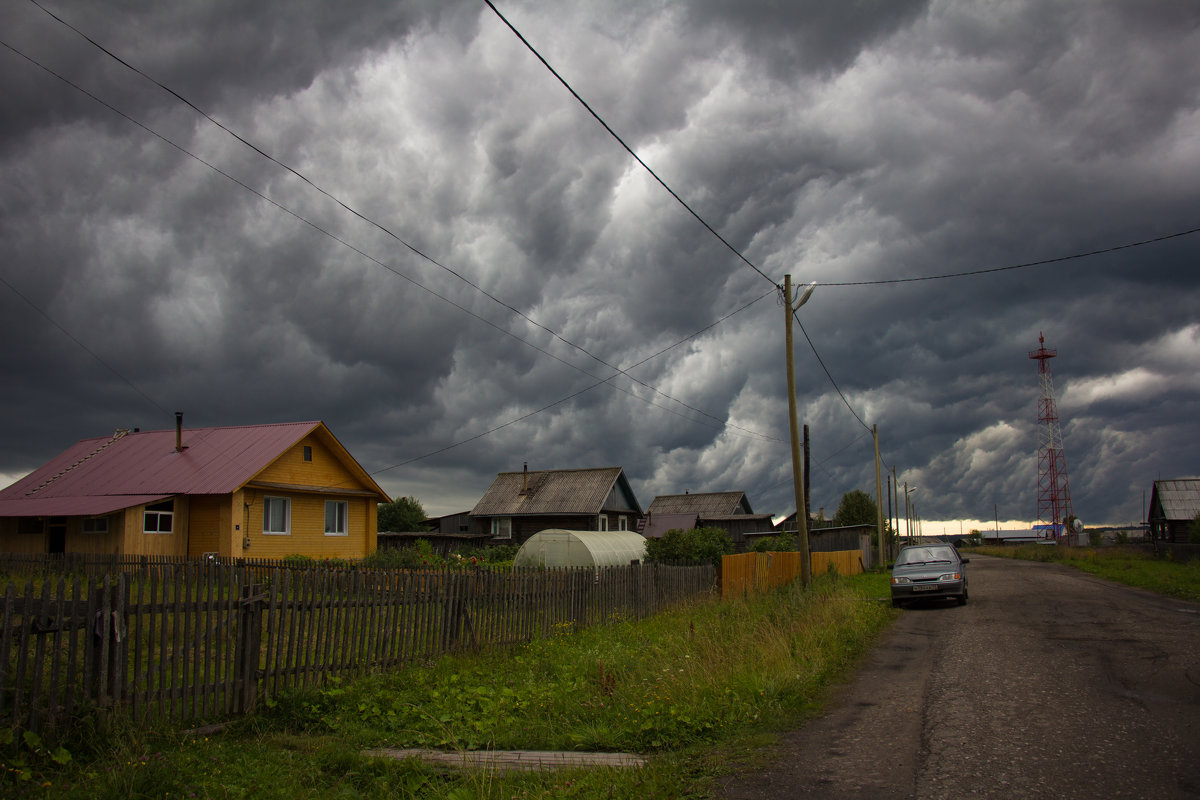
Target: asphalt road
(1047, 684)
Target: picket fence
(199, 641)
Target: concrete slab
(505, 760)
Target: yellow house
(256, 491)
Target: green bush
(695, 545)
(779, 543)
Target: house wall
(325, 469)
(13, 541)
(96, 543)
(205, 524)
(135, 542)
(525, 527)
(307, 531)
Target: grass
(698, 689)
(1122, 565)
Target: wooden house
(519, 504)
(1174, 505)
(260, 491)
(729, 511)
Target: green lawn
(1122, 565)
(698, 689)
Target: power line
(1039, 263)
(628, 149)
(400, 274)
(84, 347)
(387, 231)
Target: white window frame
(501, 527)
(623, 523)
(341, 515)
(98, 525)
(603, 522)
(160, 515)
(287, 516)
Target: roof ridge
(119, 433)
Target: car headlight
(901, 580)
(951, 576)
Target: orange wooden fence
(757, 572)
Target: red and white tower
(1054, 491)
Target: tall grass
(683, 687)
(1122, 565)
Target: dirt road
(1047, 684)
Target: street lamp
(797, 474)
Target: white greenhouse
(556, 547)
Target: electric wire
(398, 273)
(84, 347)
(628, 149)
(384, 229)
(1025, 265)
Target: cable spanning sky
(164, 264)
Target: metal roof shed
(556, 547)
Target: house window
(159, 518)
(277, 515)
(307, 453)
(335, 518)
(622, 523)
(502, 527)
(95, 525)
(603, 522)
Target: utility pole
(794, 425)
(878, 498)
(896, 494)
(807, 476)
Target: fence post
(109, 640)
(248, 646)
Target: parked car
(929, 571)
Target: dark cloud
(842, 143)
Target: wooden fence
(199, 641)
(757, 572)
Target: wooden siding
(16, 542)
(204, 525)
(307, 527)
(156, 544)
(80, 542)
(325, 469)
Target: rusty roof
(706, 504)
(559, 491)
(104, 474)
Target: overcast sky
(508, 255)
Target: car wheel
(895, 604)
(962, 598)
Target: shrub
(695, 545)
(779, 543)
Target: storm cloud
(506, 257)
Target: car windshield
(925, 555)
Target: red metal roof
(132, 468)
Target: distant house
(263, 491)
(729, 511)
(1173, 506)
(519, 504)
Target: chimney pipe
(525, 478)
(178, 431)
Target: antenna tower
(1054, 491)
